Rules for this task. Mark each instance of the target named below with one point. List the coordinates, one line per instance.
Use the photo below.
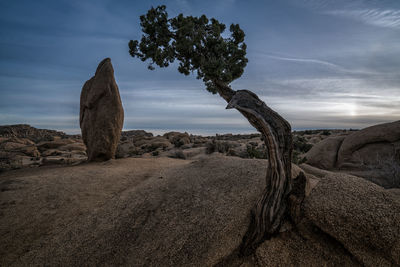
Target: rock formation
(171, 212)
(29, 132)
(370, 146)
(359, 215)
(324, 154)
(23, 146)
(178, 139)
(372, 153)
(101, 113)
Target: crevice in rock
(293, 215)
(321, 235)
(337, 153)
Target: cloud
(305, 60)
(315, 70)
(380, 13)
(330, 65)
(389, 18)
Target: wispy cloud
(382, 13)
(389, 18)
(323, 63)
(305, 60)
(316, 70)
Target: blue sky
(319, 63)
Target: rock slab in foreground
(170, 212)
(101, 113)
(363, 217)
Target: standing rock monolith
(101, 113)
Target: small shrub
(300, 144)
(326, 132)
(210, 147)
(218, 146)
(296, 159)
(232, 152)
(253, 152)
(178, 142)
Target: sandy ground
(135, 211)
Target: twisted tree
(198, 45)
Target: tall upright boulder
(101, 113)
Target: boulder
(64, 159)
(361, 216)
(372, 153)
(139, 146)
(177, 138)
(305, 248)
(151, 144)
(51, 152)
(11, 146)
(347, 221)
(30, 151)
(17, 160)
(324, 154)
(101, 113)
(18, 140)
(42, 146)
(126, 149)
(21, 149)
(314, 139)
(136, 133)
(370, 146)
(187, 213)
(73, 147)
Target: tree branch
(224, 90)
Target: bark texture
(272, 207)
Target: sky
(319, 63)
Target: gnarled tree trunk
(269, 211)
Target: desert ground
(188, 204)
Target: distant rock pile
(31, 133)
(185, 146)
(24, 146)
(101, 113)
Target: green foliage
(253, 152)
(326, 132)
(300, 144)
(297, 159)
(178, 142)
(196, 42)
(217, 146)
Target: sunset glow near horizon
(319, 63)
